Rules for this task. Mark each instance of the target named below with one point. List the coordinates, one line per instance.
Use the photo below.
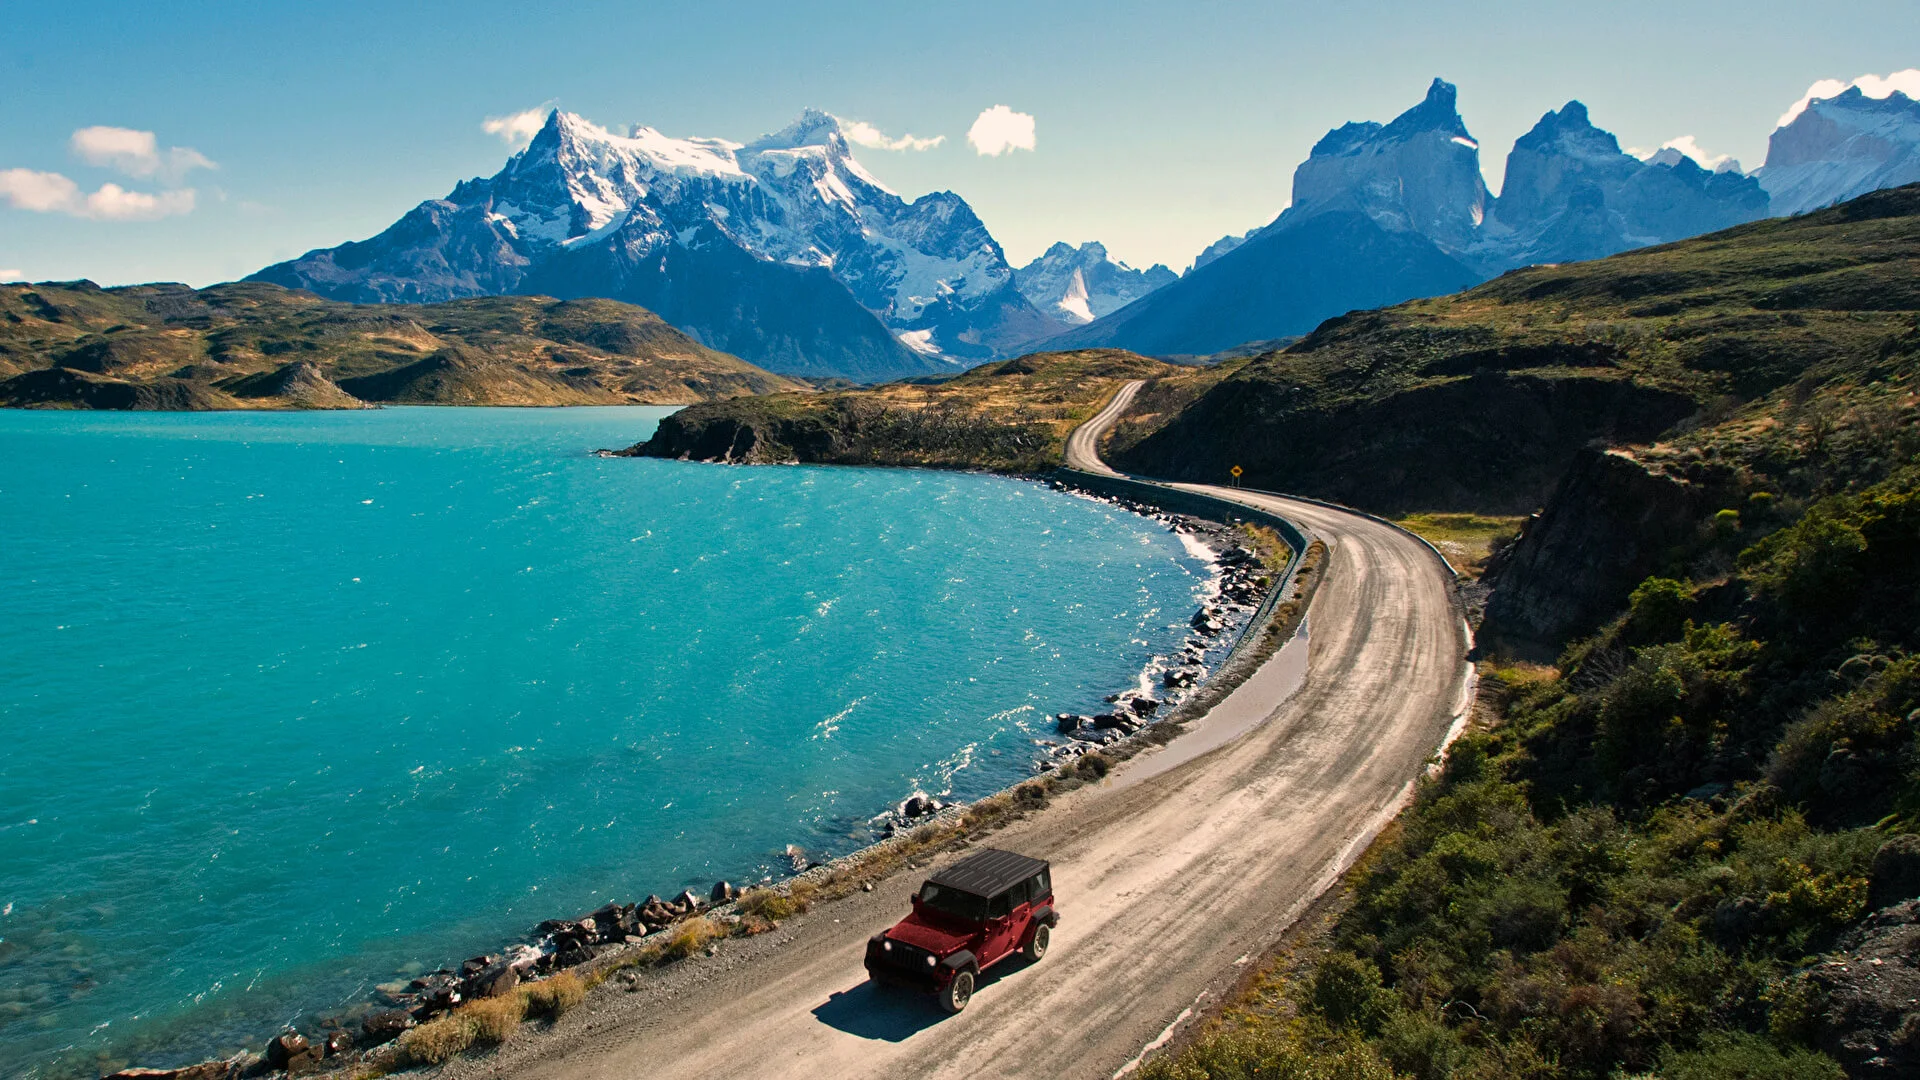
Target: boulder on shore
(384, 1027)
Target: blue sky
(1157, 127)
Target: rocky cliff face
(1494, 442)
(1571, 193)
(1611, 523)
(1418, 174)
(784, 250)
(1383, 213)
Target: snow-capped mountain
(1078, 285)
(1842, 147)
(1571, 193)
(769, 249)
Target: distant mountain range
(788, 253)
(783, 251)
(1078, 285)
(1386, 213)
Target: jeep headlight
(931, 961)
(886, 946)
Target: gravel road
(1168, 879)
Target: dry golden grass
(437, 1040)
(554, 996)
(692, 936)
(495, 1019)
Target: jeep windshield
(948, 900)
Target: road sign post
(1236, 475)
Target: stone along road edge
(1168, 880)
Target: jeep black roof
(988, 872)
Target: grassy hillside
(1012, 416)
(1689, 848)
(1690, 851)
(253, 345)
(1479, 401)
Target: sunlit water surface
(292, 704)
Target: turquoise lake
(294, 704)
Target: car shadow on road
(871, 1011)
(892, 1013)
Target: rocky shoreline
(1240, 582)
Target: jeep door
(1006, 918)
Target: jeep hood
(934, 937)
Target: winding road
(1176, 869)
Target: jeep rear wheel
(958, 992)
(1036, 946)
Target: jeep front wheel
(1037, 944)
(958, 992)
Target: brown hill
(253, 345)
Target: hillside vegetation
(254, 345)
(1690, 847)
(1481, 400)
(1011, 416)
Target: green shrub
(1658, 610)
(1347, 991)
(1748, 1057)
(1422, 1047)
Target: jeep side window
(1040, 886)
(952, 901)
(1000, 905)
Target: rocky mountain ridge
(1842, 147)
(783, 250)
(786, 251)
(1388, 212)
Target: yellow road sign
(1235, 471)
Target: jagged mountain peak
(1572, 193)
(1420, 173)
(813, 127)
(1569, 130)
(1439, 111)
(586, 211)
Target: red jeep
(966, 918)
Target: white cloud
(41, 192)
(864, 134)
(46, 193)
(1874, 86)
(136, 153)
(12, 275)
(1000, 130)
(517, 128)
(113, 203)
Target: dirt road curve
(1083, 445)
(1165, 881)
